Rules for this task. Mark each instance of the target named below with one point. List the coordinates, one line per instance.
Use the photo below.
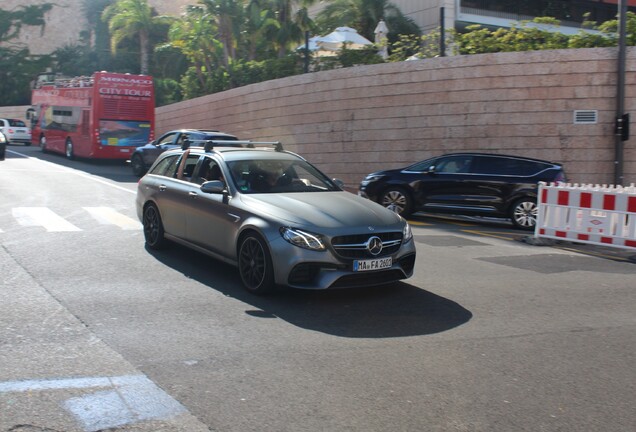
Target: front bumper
(305, 269)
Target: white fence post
(601, 215)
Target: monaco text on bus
(105, 116)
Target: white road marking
(44, 217)
(109, 216)
(119, 401)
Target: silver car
(273, 215)
(15, 131)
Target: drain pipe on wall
(622, 119)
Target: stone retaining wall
(352, 121)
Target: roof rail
(209, 145)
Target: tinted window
(166, 139)
(507, 166)
(421, 166)
(16, 123)
(208, 170)
(166, 166)
(454, 164)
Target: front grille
(355, 246)
(368, 279)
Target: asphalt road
(491, 334)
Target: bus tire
(68, 149)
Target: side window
(454, 165)
(166, 166)
(181, 140)
(507, 166)
(422, 166)
(167, 139)
(209, 169)
(187, 166)
(16, 123)
(529, 168)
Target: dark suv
(144, 156)
(475, 184)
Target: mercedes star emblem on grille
(374, 245)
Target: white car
(16, 131)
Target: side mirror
(213, 187)
(431, 169)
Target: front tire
(523, 213)
(255, 265)
(69, 149)
(397, 200)
(153, 228)
(138, 167)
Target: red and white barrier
(601, 215)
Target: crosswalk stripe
(109, 216)
(44, 217)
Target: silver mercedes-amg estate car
(273, 215)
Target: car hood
(321, 209)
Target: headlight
(371, 178)
(407, 234)
(302, 239)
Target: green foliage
(167, 91)
(413, 46)
(364, 15)
(533, 35)
(17, 67)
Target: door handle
(193, 194)
(162, 188)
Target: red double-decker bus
(105, 116)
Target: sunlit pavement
(502, 229)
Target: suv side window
(507, 166)
(166, 166)
(454, 164)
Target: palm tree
(196, 39)
(131, 19)
(291, 26)
(364, 15)
(227, 15)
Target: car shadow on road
(396, 310)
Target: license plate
(373, 264)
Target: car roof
(246, 150)
(203, 131)
(496, 155)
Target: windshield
(278, 176)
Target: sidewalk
(57, 375)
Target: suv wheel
(524, 213)
(397, 200)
